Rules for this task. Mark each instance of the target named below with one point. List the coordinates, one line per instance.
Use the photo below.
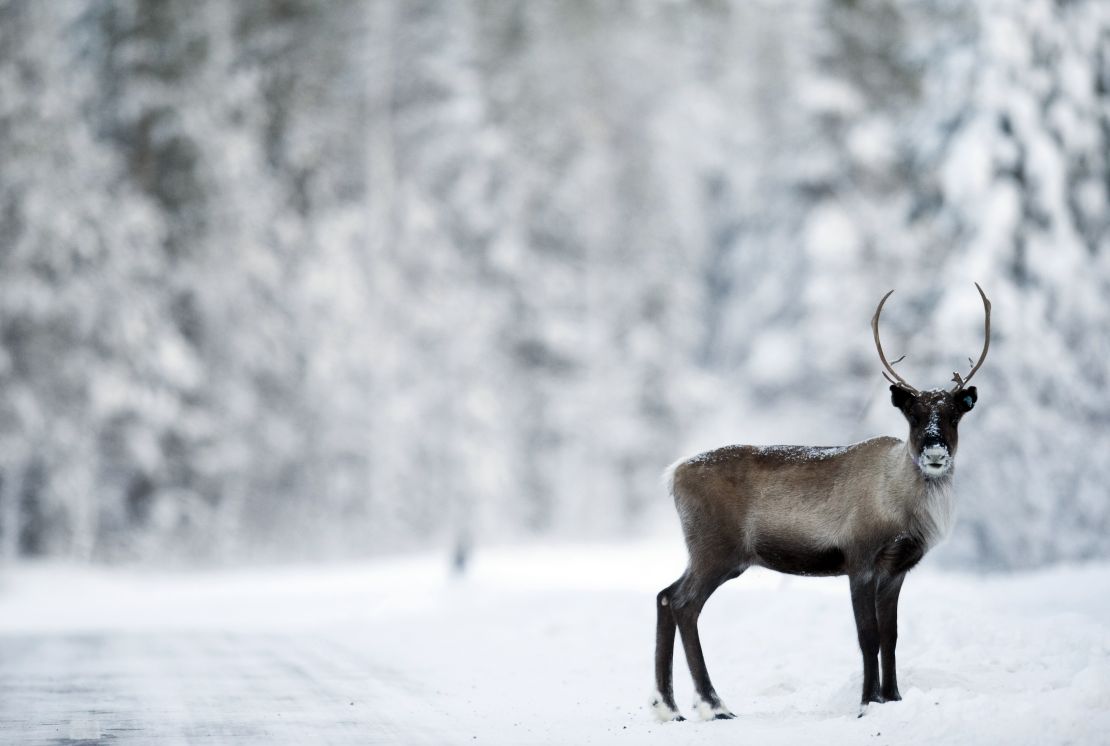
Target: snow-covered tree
(295, 276)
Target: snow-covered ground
(535, 645)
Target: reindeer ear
(899, 397)
(966, 398)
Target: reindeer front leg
(867, 629)
(892, 563)
(886, 605)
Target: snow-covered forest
(300, 278)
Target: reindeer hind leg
(662, 702)
(687, 602)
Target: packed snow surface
(537, 645)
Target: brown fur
(731, 498)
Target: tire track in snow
(203, 688)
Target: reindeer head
(934, 415)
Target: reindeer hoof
(876, 698)
(665, 712)
(709, 711)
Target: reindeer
(869, 511)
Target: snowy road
(535, 646)
(203, 687)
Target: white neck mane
(937, 510)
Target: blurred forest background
(302, 278)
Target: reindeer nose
(934, 454)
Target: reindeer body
(869, 511)
(807, 510)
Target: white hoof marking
(709, 711)
(663, 712)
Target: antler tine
(897, 380)
(961, 382)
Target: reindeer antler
(961, 381)
(897, 380)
